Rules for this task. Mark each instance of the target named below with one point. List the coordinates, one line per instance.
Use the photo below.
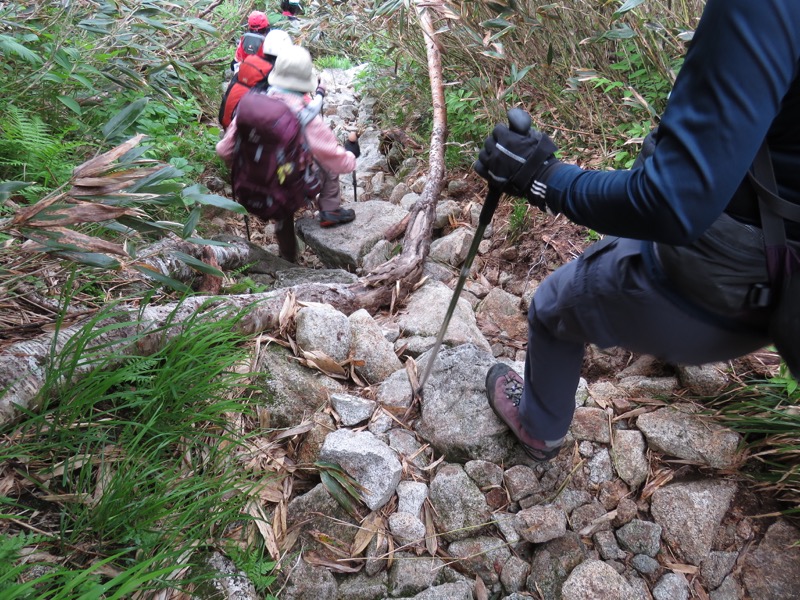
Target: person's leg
(606, 297)
(287, 241)
(329, 201)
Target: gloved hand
(351, 145)
(518, 164)
(320, 90)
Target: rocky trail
(644, 501)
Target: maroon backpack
(273, 171)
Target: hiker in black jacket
(687, 278)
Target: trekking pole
(247, 226)
(520, 122)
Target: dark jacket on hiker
(677, 283)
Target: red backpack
(273, 171)
(252, 71)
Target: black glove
(518, 164)
(353, 147)
(320, 91)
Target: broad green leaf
(202, 25)
(92, 259)
(9, 187)
(84, 81)
(628, 6)
(192, 221)
(193, 193)
(497, 23)
(124, 118)
(71, 104)
(197, 264)
(163, 279)
(338, 493)
(11, 46)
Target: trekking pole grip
(519, 122)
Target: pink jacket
(325, 148)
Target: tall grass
(130, 473)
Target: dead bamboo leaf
(304, 427)
(260, 519)
(369, 527)
(287, 313)
(322, 362)
(681, 568)
(100, 163)
(313, 558)
(481, 593)
(659, 479)
(84, 242)
(431, 539)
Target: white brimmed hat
(294, 71)
(275, 42)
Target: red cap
(257, 20)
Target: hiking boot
(504, 389)
(329, 218)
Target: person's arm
(228, 142)
(743, 60)
(327, 150)
(240, 55)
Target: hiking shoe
(329, 218)
(504, 389)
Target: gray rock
(425, 313)
(369, 345)
(460, 510)
(368, 460)
(408, 448)
(295, 391)
(301, 276)
(409, 200)
(380, 253)
(460, 590)
(400, 190)
(640, 537)
(505, 524)
(594, 579)
(728, 590)
(716, 567)
(307, 581)
(645, 564)
(456, 418)
(521, 481)
(606, 545)
(501, 311)
(514, 574)
(690, 513)
(411, 496)
(599, 467)
(231, 584)
(480, 556)
(591, 424)
(678, 432)
(352, 409)
(453, 248)
(317, 510)
(593, 514)
(445, 211)
(648, 387)
(703, 380)
(570, 499)
(539, 524)
(377, 555)
(456, 187)
(773, 569)
(411, 574)
(484, 473)
(551, 564)
(630, 459)
(671, 586)
(345, 245)
(406, 528)
(320, 327)
(363, 587)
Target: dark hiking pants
(608, 297)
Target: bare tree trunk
(23, 366)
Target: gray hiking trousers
(609, 297)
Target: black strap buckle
(759, 295)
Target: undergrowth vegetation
(129, 473)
